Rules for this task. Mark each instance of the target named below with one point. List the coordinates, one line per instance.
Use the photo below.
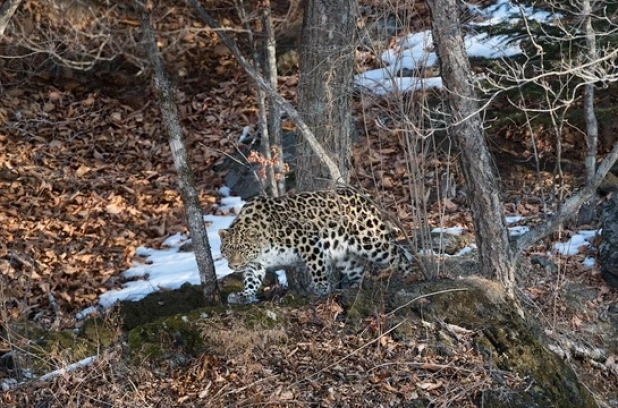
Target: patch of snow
(577, 241)
(282, 278)
(414, 51)
(518, 231)
(464, 251)
(245, 134)
(168, 268)
(85, 313)
(382, 82)
(233, 204)
(589, 262)
(450, 231)
(491, 47)
(8, 384)
(507, 11)
(174, 240)
(512, 219)
(225, 191)
(589, 234)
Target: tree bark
(269, 185)
(325, 89)
(586, 212)
(301, 126)
(608, 249)
(7, 10)
(466, 124)
(193, 210)
(274, 119)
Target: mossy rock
(194, 332)
(157, 338)
(49, 350)
(175, 302)
(160, 304)
(509, 341)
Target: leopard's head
(240, 246)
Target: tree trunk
(586, 213)
(195, 218)
(8, 8)
(325, 89)
(274, 119)
(269, 185)
(608, 249)
(466, 124)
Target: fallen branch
(569, 207)
(596, 357)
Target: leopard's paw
(240, 298)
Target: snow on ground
(246, 132)
(576, 242)
(450, 231)
(512, 219)
(414, 51)
(506, 11)
(518, 231)
(168, 268)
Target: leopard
(325, 229)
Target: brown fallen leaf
(82, 171)
(429, 386)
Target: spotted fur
(323, 229)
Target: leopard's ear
(223, 233)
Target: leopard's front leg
(253, 276)
(318, 267)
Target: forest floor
(86, 177)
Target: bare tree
(263, 117)
(78, 35)
(497, 257)
(269, 118)
(564, 57)
(274, 120)
(324, 90)
(586, 213)
(492, 239)
(169, 113)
